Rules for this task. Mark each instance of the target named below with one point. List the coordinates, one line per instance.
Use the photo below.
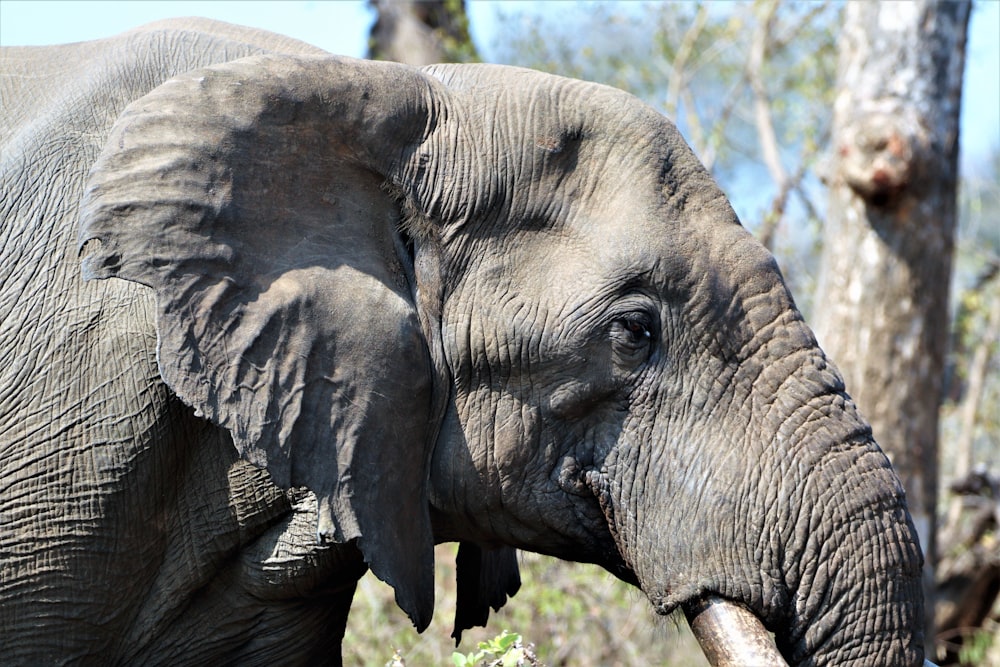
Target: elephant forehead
(548, 274)
(619, 240)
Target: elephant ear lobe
(485, 578)
(285, 313)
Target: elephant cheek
(679, 526)
(515, 429)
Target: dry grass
(574, 615)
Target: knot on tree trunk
(883, 156)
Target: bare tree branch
(763, 118)
(679, 76)
(978, 369)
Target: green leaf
(512, 658)
(506, 640)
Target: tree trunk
(421, 33)
(882, 303)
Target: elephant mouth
(597, 484)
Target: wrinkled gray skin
(359, 308)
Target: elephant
(272, 318)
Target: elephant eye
(632, 336)
(637, 329)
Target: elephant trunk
(798, 517)
(825, 551)
(851, 593)
(856, 580)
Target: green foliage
(504, 650)
(975, 648)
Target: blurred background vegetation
(752, 86)
(573, 614)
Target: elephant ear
(249, 198)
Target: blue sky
(342, 27)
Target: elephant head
(484, 304)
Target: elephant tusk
(730, 635)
